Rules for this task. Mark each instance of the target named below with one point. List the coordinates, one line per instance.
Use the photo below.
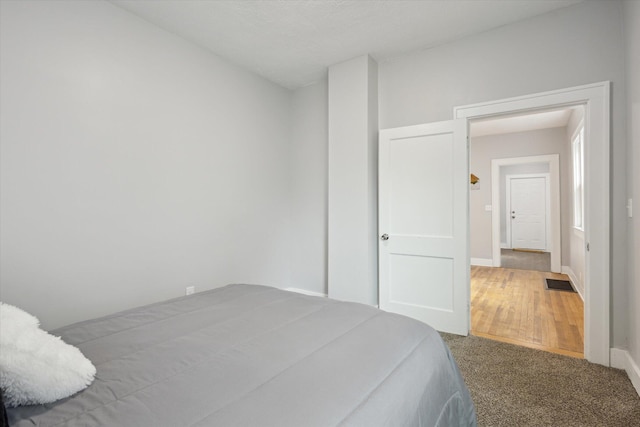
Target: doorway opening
(533, 183)
(510, 300)
(595, 230)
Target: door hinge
(587, 246)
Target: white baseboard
(482, 262)
(572, 276)
(504, 246)
(621, 359)
(306, 292)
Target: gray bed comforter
(247, 355)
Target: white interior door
(528, 213)
(423, 224)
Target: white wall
(133, 164)
(632, 47)
(520, 144)
(572, 46)
(352, 176)
(309, 188)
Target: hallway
(514, 306)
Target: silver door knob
(384, 237)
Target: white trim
(621, 359)
(566, 97)
(306, 292)
(482, 262)
(579, 126)
(596, 98)
(579, 287)
(554, 223)
(504, 246)
(547, 202)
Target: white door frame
(547, 204)
(555, 230)
(596, 99)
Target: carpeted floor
(517, 386)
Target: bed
(247, 355)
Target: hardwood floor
(514, 306)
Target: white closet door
(423, 224)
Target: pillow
(36, 367)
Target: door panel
(421, 281)
(415, 208)
(423, 197)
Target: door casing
(596, 100)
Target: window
(577, 149)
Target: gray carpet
(518, 386)
(523, 260)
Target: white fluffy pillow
(36, 367)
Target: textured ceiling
(293, 42)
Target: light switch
(487, 208)
(630, 208)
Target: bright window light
(577, 148)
